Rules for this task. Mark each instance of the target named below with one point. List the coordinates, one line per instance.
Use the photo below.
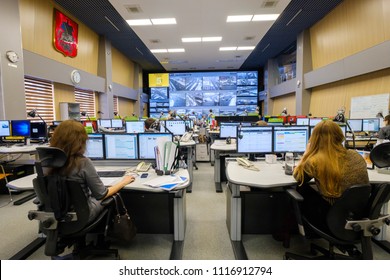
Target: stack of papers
(167, 182)
(166, 152)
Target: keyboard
(112, 173)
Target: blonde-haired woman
(71, 137)
(333, 167)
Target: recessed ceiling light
(242, 18)
(245, 48)
(223, 49)
(161, 21)
(176, 50)
(211, 39)
(138, 22)
(191, 40)
(265, 17)
(159, 50)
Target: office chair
(352, 220)
(380, 155)
(63, 211)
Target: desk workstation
(154, 210)
(260, 195)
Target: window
(86, 99)
(116, 104)
(39, 97)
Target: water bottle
(289, 163)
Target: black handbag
(123, 229)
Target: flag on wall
(65, 35)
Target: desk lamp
(34, 113)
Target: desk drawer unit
(202, 152)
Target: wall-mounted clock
(75, 76)
(12, 56)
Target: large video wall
(195, 93)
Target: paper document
(166, 182)
(166, 152)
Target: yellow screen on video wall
(159, 80)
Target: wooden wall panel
(122, 69)
(125, 107)
(37, 35)
(62, 93)
(351, 27)
(286, 101)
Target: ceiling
(199, 18)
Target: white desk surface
(272, 175)
(25, 183)
(187, 144)
(220, 145)
(15, 149)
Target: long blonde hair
(324, 158)
(71, 137)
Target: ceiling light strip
(294, 17)
(111, 23)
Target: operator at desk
(71, 137)
(384, 132)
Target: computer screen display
(5, 129)
(228, 129)
(21, 128)
(116, 123)
(290, 139)
(90, 126)
(95, 146)
(121, 146)
(302, 121)
(355, 124)
(371, 125)
(189, 124)
(105, 123)
(38, 131)
(147, 142)
(135, 126)
(254, 139)
(175, 127)
(314, 121)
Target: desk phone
(143, 166)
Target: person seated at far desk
(151, 125)
(71, 137)
(333, 167)
(384, 132)
(261, 123)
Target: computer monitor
(302, 121)
(90, 126)
(56, 123)
(121, 146)
(176, 127)
(5, 128)
(314, 121)
(116, 123)
(38, 131)
(254, 139)
(355, 124)
(135, 126)
(105, 123)
(147, 142)
(371, 125)
(290, 139)
(95, 147)
(189, 124)
(21, 128)
(228, 129)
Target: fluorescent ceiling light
(242, 18)
(265, 17)
(176, 50)
(246, 48)
(211, 39)
(159, 50)
(191, 40)
(223, 49)
(161, 21)
(137, 22)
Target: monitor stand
(252, 157)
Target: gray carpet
(206, 233)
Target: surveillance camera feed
(195, 93)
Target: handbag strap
(119, 204)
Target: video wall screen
(195, 93)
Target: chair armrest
(295, 195)
(107, 201)
(296, 199)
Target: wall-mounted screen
(147, 142)
(121, 146)
(254, 139)
(195, 93)
(95, 146)
(21, 128)
(290, 139)
(4, 128)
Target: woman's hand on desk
(127, 179)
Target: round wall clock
(12, 56)
(75, 77)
